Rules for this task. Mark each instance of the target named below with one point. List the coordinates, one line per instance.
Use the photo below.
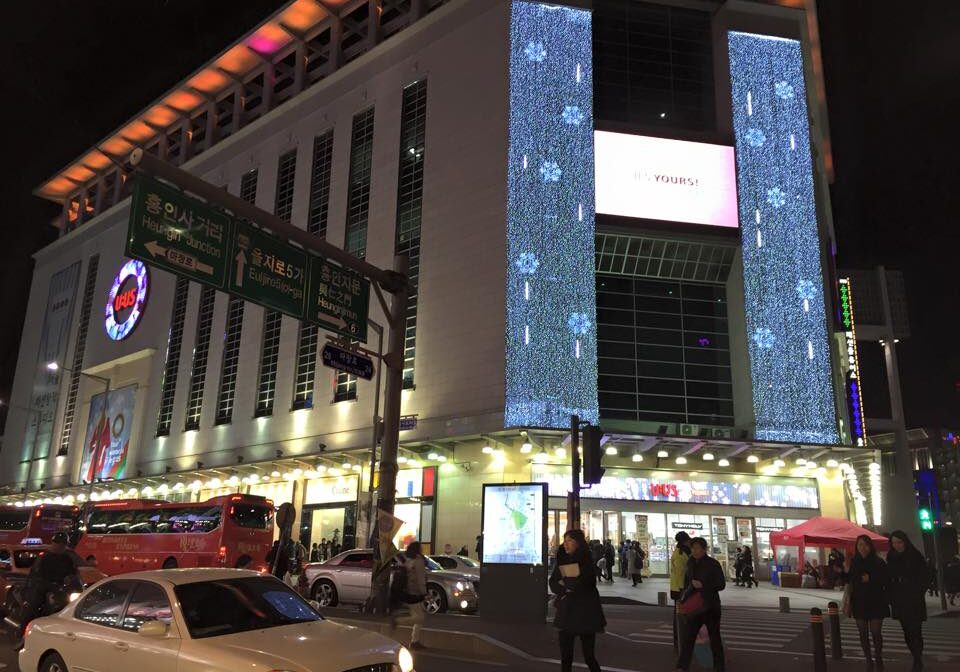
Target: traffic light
(592, 455)
(926, 519)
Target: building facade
(614, 209)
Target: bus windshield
(254, 516)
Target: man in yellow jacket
(678, 570)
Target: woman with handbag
(869, 601)
(579, 614)
(908, 588)
(700, 604)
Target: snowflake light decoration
(527, 263)
(536, 52)
(550, 171)
(806, 290)
(764, 338)
(756, 137)
(783, 90)
(579, 323)
(572, 115)
(775, 197)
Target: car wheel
(53, 663)
(325, 593)
(170, 563)
(435, 601)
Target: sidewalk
(763, 597)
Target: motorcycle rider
(51, 571)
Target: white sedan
(193, 620)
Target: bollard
(836, 647)
(784, 605)
(661, 599)
(819, 648)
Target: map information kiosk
(514, 564)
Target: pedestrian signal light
(926, 520)
(592, 455)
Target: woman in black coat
(908, 587)
(579, 614)
(869, 598)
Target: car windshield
(432, 564)
(225, 607)
(469, 562)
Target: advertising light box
(669, 180)
(514, 522)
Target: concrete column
(373, 22)
(237, 108)
(211, 129)
(300, 67)
(269, 79)
(335, 57)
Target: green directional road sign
(268, 271)
(178, 233)
(339, 299)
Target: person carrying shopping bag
(579, 614)
(700, 604)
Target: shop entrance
(334, 523)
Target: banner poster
(53, 348)
(646, 541)
(107, 441)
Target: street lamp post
(54, 366)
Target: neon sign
(128, 296)
(854, 399)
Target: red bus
(41, 522)
(133, 535)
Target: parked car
(193, 620)
(345, 579)
(458, 563)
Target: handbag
(847, 606)
(691, 602)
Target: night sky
(74, 71)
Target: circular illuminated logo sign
(128, 296)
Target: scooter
(18, 611)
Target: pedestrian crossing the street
(754, 630)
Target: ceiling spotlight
(413, 464)
(560, 452)
(611, 450)
(541, 457)
(401, 459)
(356, 467)
(526, 448)
(346, 465)
(662, 454)
(811, 465)
(708, 457)
(778, 463)
(274, 474)
(832, 464)
(433, 456)
(487, 450)
(723, 462)
(441, 458)
(637, 457)
(801, 461)
(753, 459)
(681, 460)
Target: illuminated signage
(683, 525)
(688, 488)
(852, 375)
(514, 523)
(671, 180)
(128, 296)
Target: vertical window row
(358, 210)
(306, 367)
(70, 410)
(201, 350)
(231, 339)
(168, 386)
(272, 321)
(231, 361)
(413, 129)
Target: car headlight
(73, 596)
(460, 586)
(405, 660)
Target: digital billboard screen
(514, 519)
(669, 180)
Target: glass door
(331, 527)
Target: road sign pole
(376, 429)
(393, 389)
(573, 499)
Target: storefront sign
(126, 301)
(722, 489)
(109, 428)
(854, 398)
(333, 489)
(682, 525)
(53, 348)
(769, 528)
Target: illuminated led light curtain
(551, 296)
(793, 394)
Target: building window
(270, 354)
(286, 172)
(201, 350)
(664, 351)
(306, 367)
(413, 130)
(248, 186)
(168, 386)
(70, 410)
(653, 64)
(231, 361)
(320, 184)
(358, 209)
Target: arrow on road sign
(155, 249)
(241, 260)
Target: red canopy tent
(823, 531)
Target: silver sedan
(345, 579)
